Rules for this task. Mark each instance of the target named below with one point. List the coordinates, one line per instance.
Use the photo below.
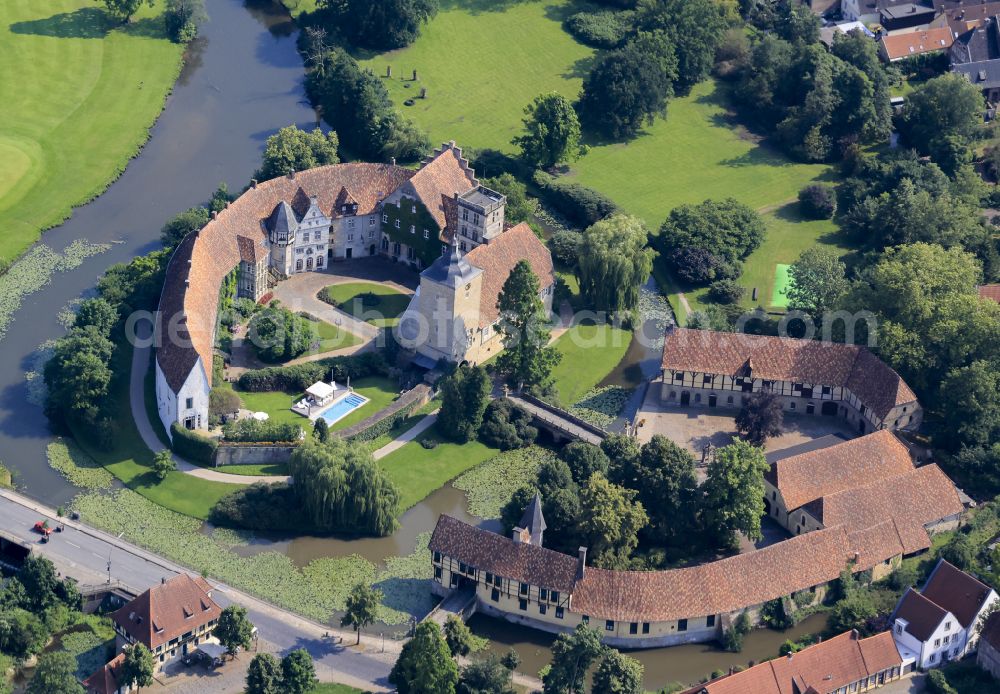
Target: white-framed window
(371, 221)
(427, 234)
(413, 229)
(397, 224)
(350, 237)
(385, 219)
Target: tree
(278, 335)
(520, 206)
(629, 86)
(565, 246)
(137, 668)
(853, 612)
(290, 150)
(78, 375)
(488, 675)
(513, 510)
(321, 430)
(817, 201)
(234, 629)
(122, 10)
(507, 426)
(960, 551)
(734, 492)
(182, 17)
(381, 25)
(937, 683)
(726, 229)
(182, 224)
(220, 198)
(970, 404)
(526, 360)
(55, 674)
(298, 674)
(726, 291)
(948, 105)
(163, 464)
(464, 397)
(818, 281)
(572, 656)
(694, 27)
(552, 132)
(424, 665)
(460, 639)
(613, 262)
(610, 521)
(760, 418)
(98, 313)
(22, 633)
(584, 459)
(41, 584)
(618, 674)
(664, 476)
(362, 606)
(264, 675)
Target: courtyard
(694, 428)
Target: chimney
(393, 161)
(227, 204)
(291, 176)
(253, 182)
(163, 580)
(521, 536)
(215, 215)
(581, 568)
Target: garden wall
(383, 420)
(257, 454)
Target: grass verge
(589, 353)
(376, 304)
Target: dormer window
(413, 209)
(397, 224)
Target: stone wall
(252, 454)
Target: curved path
(137, 403)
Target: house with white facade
(941, 622)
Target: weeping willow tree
(341, 489)
(613, 262)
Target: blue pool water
(343, 408)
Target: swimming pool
(342, 408)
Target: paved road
(83, 553)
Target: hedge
(582, 205)
(295, 379)
(383, 421)
(191, 445)
(254, 431)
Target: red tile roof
(168, 610)
(787, 359)
(808, 476)
(498, 257)
(445, 173)
(823, 667)
(956, 591)
(105, 680)
(190, 296)
(990, 291)
(907, 43)
(922, 616)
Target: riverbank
(77, 103)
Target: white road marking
(72, 545)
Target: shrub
(256, 431)
(695, 265)
(583, 206)
(726, 291)
(277, 334)
(261, 506)
(565, 245)
(817, 201)
(937, 683)
(429, 444)
(381, 426)
(295, 379)
(605, 29)
(506, 426)
(191, 445)
(222, 401)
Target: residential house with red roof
(845, 663)
(106, 679)
(990, 291)
(303, 221)
(169, 619)
(941, 622)
(704, 368)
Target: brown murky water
(663, 666)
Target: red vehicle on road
(42, 528)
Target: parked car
(42, 528)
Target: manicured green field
(331, 337)
(328, 688)
(589, 353)
(482, 63)
(782, 280)
(418, 471)
(379, 391)
(373, 303)
(76, 100)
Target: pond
(242, 82)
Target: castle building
(304, 221)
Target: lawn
(379, 391)
(589, 353)
(418, 471)
(373, 303)
(331, 337)
(511, 53)
(131, 461)
(329, 688)
(76, 101)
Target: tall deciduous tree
(163, 464)
(488, 675)
(55, 674)
(664, 476)
(613, 262)
(234, 629)
(362, 607)
(940, 107)
(572, 656)
(298, 674)
(264, 675)
(818, 281)
(526, 359)
(122, 10)
(464, 397)
(618, 674)
(182, 17)
(760, 418)
(520, 206)
(734, 492)
(610, 521)
(970, 405)
(291, 149)
(695, 28)
(460, 639)
(137, 668)
(382, 24)
(425, 665)
(727, 229)
(552, 131)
